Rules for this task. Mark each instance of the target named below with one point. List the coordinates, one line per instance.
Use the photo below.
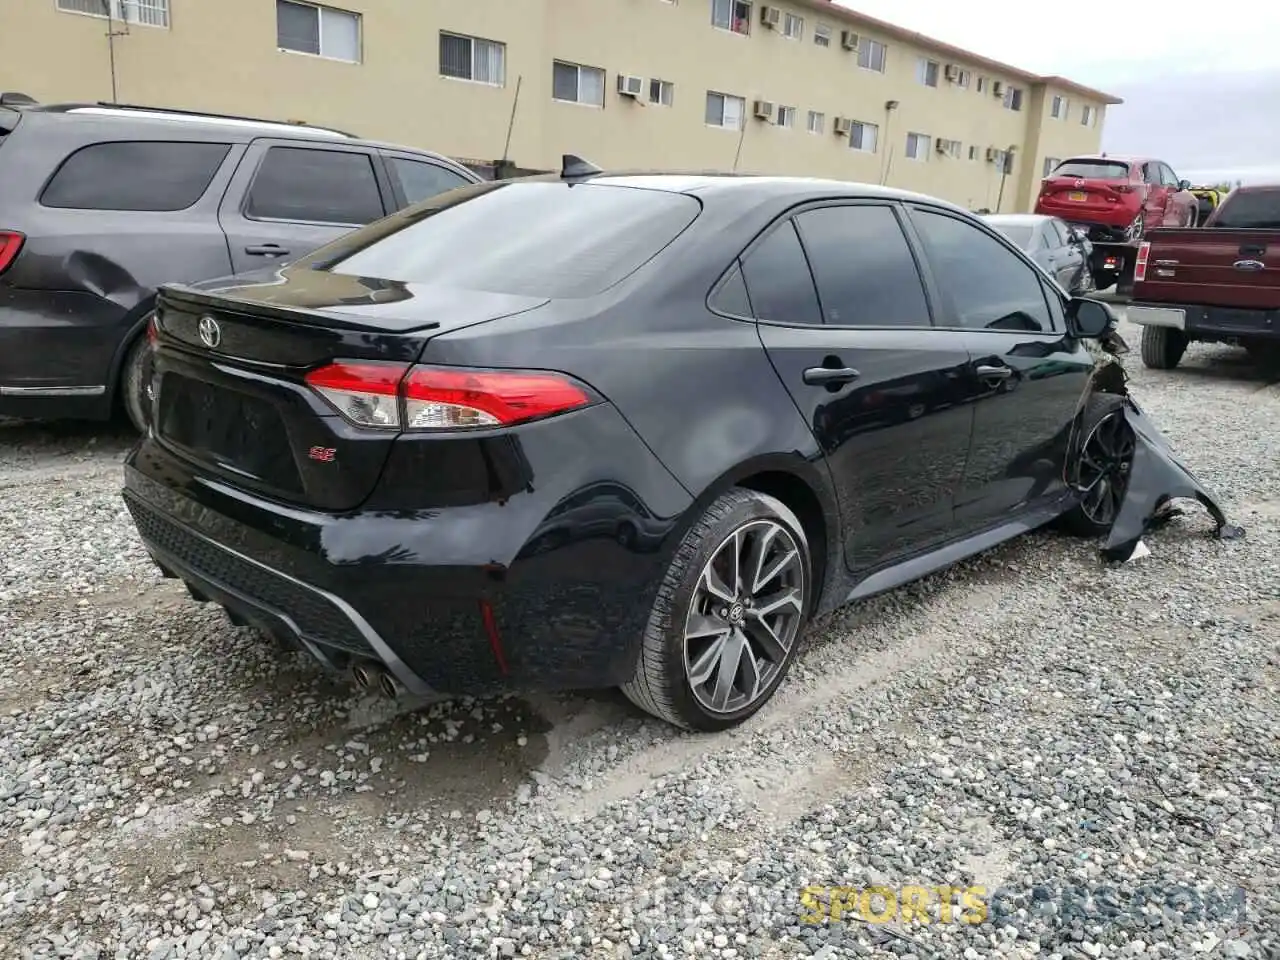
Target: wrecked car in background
(85, 240)
(797, 426)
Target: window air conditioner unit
(848, 40)
(992, 154)
(997, 89)
(630, 86)
(770, 16)
(942, 146)
(951, 72)
(843, 126)
(763, 109)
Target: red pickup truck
(1219, 283)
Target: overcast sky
(1201, 91)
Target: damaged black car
(625, 430)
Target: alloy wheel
(744, 616)
(1106, 460)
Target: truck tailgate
(1210, 266)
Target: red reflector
(10, 244)
(378, 378)
(446, 398)
(1140, 265)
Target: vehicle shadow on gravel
(62, 438)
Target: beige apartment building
(801, 87)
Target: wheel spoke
(774, 570)
(757, 554)
(712, 584)
(702, 625)
(772, 603)
(727, 669)
(735, 568)
(771, 645)
(700, 670)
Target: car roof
(756, 186)
(240, 129)
(1105, 157)
(1015, 219)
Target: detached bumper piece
(1156, 479)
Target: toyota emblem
(210, 332)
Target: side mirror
(1088, 319)
(1184, 184)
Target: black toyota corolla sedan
(600, 429)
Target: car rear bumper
(1112, 216)
(431, 594)
(56, 353)
(1208, 323)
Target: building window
(662, 92)
(1059, 108)
(1002, 161)
(927, 72)
(863, 137)
(724, 111)
(973, 153)
(1088, 115)
(470, 58)
(871, 55)
(817, 121)
(982, 85)
(950, 148)
(731, 15)
(320, 31)
(822, 35)
(573, 83)
(148, 13)
(962, 79)
(1049, 164)
(786, 116)
(917, 146)
(1013, 98)
(793, 26)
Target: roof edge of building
(850, 15)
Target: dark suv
(100, 204)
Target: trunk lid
(229, 368)
(1212, 267)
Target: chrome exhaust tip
(388, 685)
(362, 674)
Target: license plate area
(237, 432)
(1077, 196)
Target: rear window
(143, 175)
(1250, 210)
(540, 239)
(1020, 234)
(1092, 169)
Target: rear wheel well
(800, 499)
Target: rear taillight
(1140, 265)
(444, 398)
(10, 244)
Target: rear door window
(156, 176)
(863, 267)
(315, 186)
(419, 180)
(778, 279)
(538, 238)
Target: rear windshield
(533, 238)
(1019, 233)
(1092, 169)
(1250, 210)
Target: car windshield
(1019, 233)
(537, 238)
(1092, 169)
(1250, 210)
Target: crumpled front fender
(1156, 478)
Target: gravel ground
(1095, 747)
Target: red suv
(1117, 198)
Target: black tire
(1103, 410)
(1162, 347)
(133, 383)
(661, 684)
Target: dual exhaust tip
(374, 676)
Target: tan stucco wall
(221, 55)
